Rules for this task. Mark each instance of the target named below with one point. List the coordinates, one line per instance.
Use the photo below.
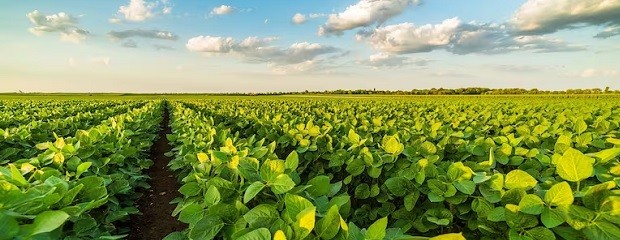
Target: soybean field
(277, 167)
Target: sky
(211, 46)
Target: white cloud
(299, 18)
(362, 14)
(222, 10)
(385, 60)
(298, 56)
(141, 10)
(593, 72)
(63, 23)
(210, 44)
(137, 11)
(548, 16)
(408, 38)
(459, 38)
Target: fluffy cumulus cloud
(384, 60)
(297, 57)
(362, 14)
(141, 10)
(548, 16)
(153, 34)
(62, 23)
(459, 38)
(222, 10)
(299, 18)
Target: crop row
(321, 168)
(24, 112)
(18, 142)
(79, 187)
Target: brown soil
(156, 221)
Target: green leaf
(258, 234)
(83, 167)
(48, 221)
(392, 145)
(295, 204)
(190, 189)
(377, 230)
(580, 126)
(271, 169)
(212, 196)
(574, 166)
(559, 195)
(606, 155)
(305, 222)
(362, 191)
(328, 226)
(602, 230)
(531, 204)
(552, 217)
(252, 191)
(399, 186)
(9, 227)
(319, 186)
(467, 187)
(17, 175)
(206, 228)
(261, 216)
(282, 184)
(519, 179)
(292, 161)
(540, 233)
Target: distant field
(80, 166)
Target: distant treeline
(445, 91)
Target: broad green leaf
(377, 230)
(467, 187)
(519, 179)
(271, 169)
(212, 196)
(580, 126)
(606, 155)
(17, 175)
(206, 228)
(9, 227)
(83, 167)
(328, 226)
(258, 234)
(292, 161)
(540, 233)
(202, 157)
(295, 204)
(399, 186)
(392, 145)
(261, 216)
(531, 204)
(190, 189)
(559, 195)
(48, 221)
(319, 186)
(552, 217)
(602, 230)
(252, 191)
(305, 222)
(574, 166)
(282, 184)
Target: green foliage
(394, 169)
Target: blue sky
(269, 45)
